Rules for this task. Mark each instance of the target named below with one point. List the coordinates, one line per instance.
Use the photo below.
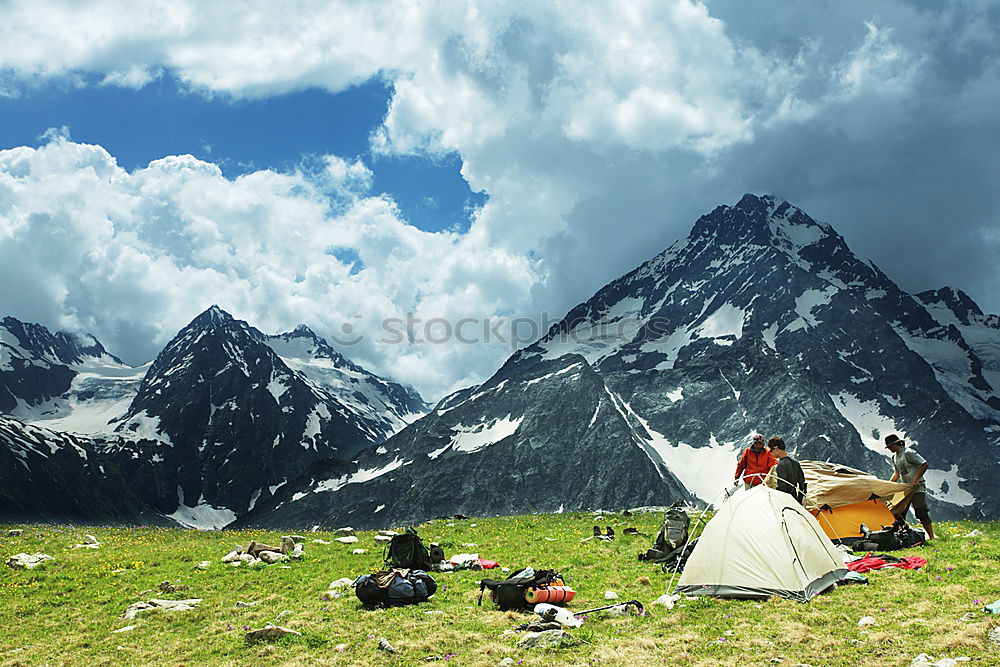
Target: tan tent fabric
(833, 485)
(761, 543)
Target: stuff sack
(394, 587)
(407, 551)
(513, 593)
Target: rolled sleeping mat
(550, 594)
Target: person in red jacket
(755, 462)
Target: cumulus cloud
(600, 131)
(132, 257)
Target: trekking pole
(636, 603)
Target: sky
(352, 166)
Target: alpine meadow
(628, 333)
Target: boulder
(296, 551)
(28, 561)
(15, 532)
(384, 645)
(254, 549)
(343, 582)
(159, 605)
(319, 541)
(342, 532)
(546, 639)
(350, 539)
(90, 539)
(388, 533)
(272, 556)
(269, 631)
(203, 565)
(233, 555)
(382, 538)
(610, 595)
(287, 544)
(358, 552)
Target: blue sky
(242, 135)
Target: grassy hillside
(65, 613)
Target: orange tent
(842, 499)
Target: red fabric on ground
(870, 562)
(487, 564)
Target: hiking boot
(611, 532)
(597, 531)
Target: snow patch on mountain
(705, 471)
(810, 300)
(867, 419)
(727, 320)
(202, 515)
(144, 426)
(470, 439)
(945, 485)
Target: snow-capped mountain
(62, 381)
(762, 319)
(222, 417)
(552, 437)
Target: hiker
(791, 479)
(909, 466)
(755, 462)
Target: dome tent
(762, 543)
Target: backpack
(895, 537)
(394, 588)
(511, 593)
(672, 538)
(407, 551)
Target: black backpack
(394, 588)
(509, 593)
(407, 551)
(672, 539)
(895, 537)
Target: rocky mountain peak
(36, 341)
(956, 302)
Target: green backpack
(406, 551)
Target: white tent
(762, 543)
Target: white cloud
(87, 245)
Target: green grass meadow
(66, 612)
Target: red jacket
(755, 465)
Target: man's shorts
(919, 505)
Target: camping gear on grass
(394, 587)
(549, 594)
(549, 613)
(897, 536)
(512, 592)
(672, 547)
(407, 551)
(842, 499)
(762, 543)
